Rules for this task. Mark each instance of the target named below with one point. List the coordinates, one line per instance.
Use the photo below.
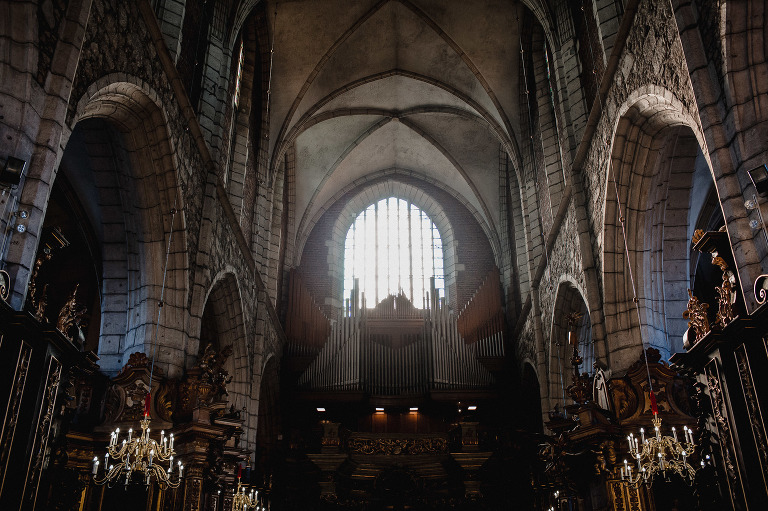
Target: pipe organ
(482, 318)
(395, 349)
(307, 328)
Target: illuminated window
(238, 76)
(393, 246)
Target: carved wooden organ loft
(395, 349)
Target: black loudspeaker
(12, 171)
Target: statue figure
(696, 314)
(71, 315)
(600, 394)
(212, 364)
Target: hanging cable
(162, 294)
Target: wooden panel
(756, 421)
(11, 416)
(723, 419)
(42, 431)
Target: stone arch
(653, 159)
(40, 61)
(224, 322)
(121, 133)
(570, 299)
(718, 38)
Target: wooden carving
(70, 316)
(33, 300)
(726, 299)
(696, 314)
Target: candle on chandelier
(642, 434)
(95, 465)
(239, 471)
(146, 405)
(674, 433)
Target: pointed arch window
(393, 246)
(238, 76)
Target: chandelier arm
(111, 473)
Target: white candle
(674, 433)
(642, 434)
(95, 465)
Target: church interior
(376, 255)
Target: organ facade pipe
(396, 349)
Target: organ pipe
(483, 317)
(396, 349)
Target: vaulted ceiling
(426, 87)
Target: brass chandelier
(243, 501)
(140, 454)
(659, 454)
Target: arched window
(393, 246)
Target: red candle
(146, 405)
(654, 408)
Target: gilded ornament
(71, 315)
(32, 297)
(696, 314)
